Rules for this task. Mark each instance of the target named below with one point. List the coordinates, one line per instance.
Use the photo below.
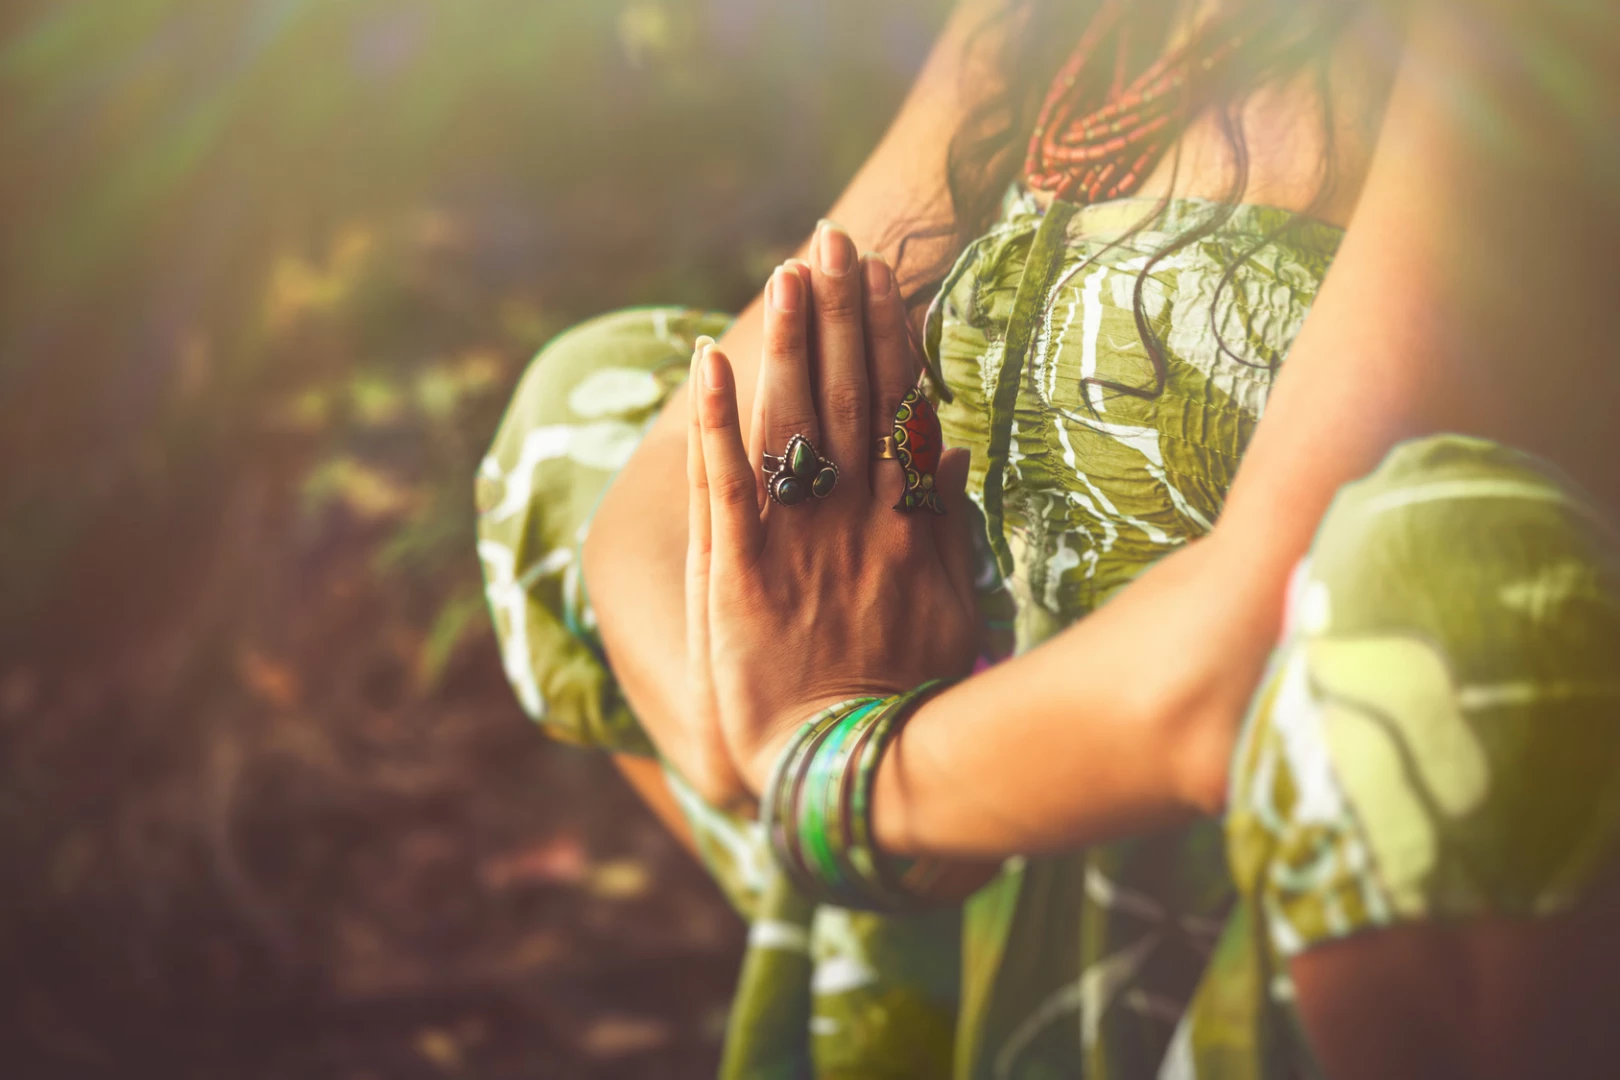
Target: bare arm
(1419, 327)
(634, 557)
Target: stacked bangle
(817, 806)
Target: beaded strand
(1083, 157)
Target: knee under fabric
(1439, 733)
(577, 415)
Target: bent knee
(1486, 552)
(1440, 735)
(578, 413)
(620, 366)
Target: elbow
(1202, 760)
(1214, 662)
(1200, 710)
(1195, 729)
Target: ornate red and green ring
(916, 442)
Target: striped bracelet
(816, 807)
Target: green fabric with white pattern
(573, 423)
(1087, 961)
(1439, 736)
(1141, 958)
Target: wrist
(816, 806)
(756, 751)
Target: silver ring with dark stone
(800, 474)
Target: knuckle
(721, 414)
(885, 403)
(785, 341)
(798, 420)
(846, 399)
(839, 305)
(733, 487)
(884, 317)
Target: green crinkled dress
(1398, 762)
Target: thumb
(699, 544)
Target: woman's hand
(793, 607)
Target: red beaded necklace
(1106, 152)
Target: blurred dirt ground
(267, 809)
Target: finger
(783, 405)
(840, 352)
(735, 530)
(891, 366)
(697, 533)
(952, 539)
(796, 342)
(709, 766)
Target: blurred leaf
(462, 615)
(366, 490)
(439, 533)
(299, 287)
(442, 388)
(376, 401)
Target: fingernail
(786, 290)
(879, 278)
(835, 249)
(714, 370)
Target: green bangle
(905, 881)
(906, 878)
(819, 816)
(816, 806)
(779, 798)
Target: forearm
(1119, 726)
